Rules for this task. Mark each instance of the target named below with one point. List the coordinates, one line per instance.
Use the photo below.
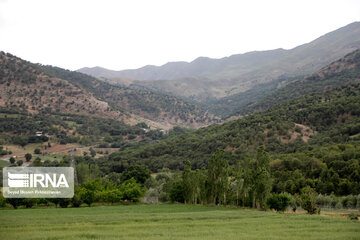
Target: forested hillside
(343, 71)
(311, 136)
(45, 89)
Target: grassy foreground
(170, 222)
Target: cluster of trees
(85, 130)
(88, 193)
(247, 184)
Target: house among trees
(39, 133)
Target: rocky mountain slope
(45, 89)
(208, 79)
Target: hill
(313, 140)
(343, 71)
(294, 125)
(250, 74)
(36, 88)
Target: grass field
(170, 222)
(4, 163)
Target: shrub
(278, 202)
(64, 202)
(2, 201)
(307, 197)
(177, 191)
(28, 157)
(76, 200)
(15, 202)
(87, 196)
(29, 202)
(37, 151)
(353, 216)
(131, 190)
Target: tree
(19, 163)
(239, 181)
(131, 190)
(28, 157)
(176, 192)
(20, 140)
(139, 172)
(247, 177)
(92, 152)
(262, 179)
(307, 198)
(188, 183)
(88, 191)
(218, 174)
(37, 151)
(76, 200)
(12, 160)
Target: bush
(177, 191)
(28, 157)
(37, 151)
(29, 202)
(353, 216)
(64, 202)
(87, 196)
(112, 195)
(278, 202)
(307, 197)
(131, 190)
(139, 172)
(76, 200)
(2, 201)
(15, 202)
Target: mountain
(36, 88)
(202, 66)
(343, 71)
(300, 126)
(320, 110)
(207, 79)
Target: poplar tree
(262, 178)
(218, 175)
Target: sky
(127, 34)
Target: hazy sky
(133, 33)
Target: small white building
(39, 133)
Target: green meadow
(170, 222)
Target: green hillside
(316, 129)
(343, 71)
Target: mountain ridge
(209, 79)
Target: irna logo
(34, 180)
(38, 182)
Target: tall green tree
(218, 175)
(262, 178)
(188, 183)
